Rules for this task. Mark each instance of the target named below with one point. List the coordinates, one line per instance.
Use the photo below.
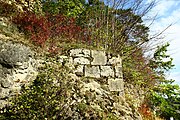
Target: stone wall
(17, 68)
(97, 64)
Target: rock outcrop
(17, 68)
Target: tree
(65, 7)
(165, 95)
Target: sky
(168, 12)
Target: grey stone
(61, 58)
(92, 71)
(81, 61)
(115, 61)
(13, 54)
(15, 89)
(1, 66)
(118, 71)
(86, 52)
(3, 103)
(107, 71)
(75, 52)
(4, 71)
(116, 84)
(4, 93)
(80, 53)
(5, 83)
(24, 65)
(79, 70)
(92, 86)
(20, 71)
(99, 57)
(17, 67)
(19, 76)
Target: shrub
(40, 28)
(37, 27)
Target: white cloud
(163, 6)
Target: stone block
(24, 65)
(15, 89)
(99, 57)
(92, 86)
(19, 77)
(80, 53)
(92, 71)
(115, 61)
(61, 59)
(4, 93)
(5, 83)
(65, 60)
(81, 61)
(107, 71)
(76, 53)
(86, 53)
(3, 103)
(116, 84)
(79, 70)
(118, 71)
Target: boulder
(12, 55)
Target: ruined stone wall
(98, 64)
(17, 68)
(99, 73)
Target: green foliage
(158, 63)
(164, 99)
(65, 7)
(136, 70)
(164, 96)
(113, 29)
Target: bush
(164, 100)
(40, 28)
(37, 27)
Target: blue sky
(169, 13)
